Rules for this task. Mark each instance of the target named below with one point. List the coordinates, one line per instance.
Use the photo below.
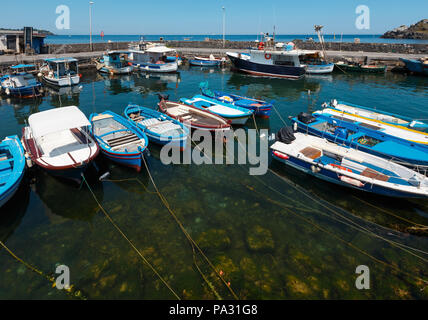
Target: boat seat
(370, 173)
(122, 140)
(311, 153)
(5, 165)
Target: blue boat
(260, 108)
(205, 63)
(348, 167)
(235, 114)
(364, 137)
(417, 66)
(160, 128)
(119, 139)
(12, 167)
(21, 84)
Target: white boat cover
(56, 120)
(159, 49)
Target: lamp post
(90, 24)
(224, 26)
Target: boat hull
(351, 68)
(320, 69)
(264, 70)
(125, 70)
(63, 82)
(133, 160)
(157, 68)
(205, 63)
(23, 92)
(416, 66)
(333, 177)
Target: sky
(206, 17)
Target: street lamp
(224, 25)
(90, 24)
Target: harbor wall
(218, 44)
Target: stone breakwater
(218, 44)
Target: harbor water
(282, 235)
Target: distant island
(416, 31)
(41, 31)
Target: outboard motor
(286, 135)
(163, 97)
(341, 132)
(306, 117)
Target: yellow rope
(130, 242)
(77, 293)
(165, 202)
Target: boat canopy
(61, 60)
(22, 66)
(57, 120)
(159, 49)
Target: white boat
(153, 58)
(379, 126)
(60, 72)
(315, 62)
(349, 167)
(59, 141)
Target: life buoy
(261, 45)
(268, 56)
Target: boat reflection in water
(12, 213)
(155, 82)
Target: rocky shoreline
(416, 31)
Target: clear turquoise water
(283, 235)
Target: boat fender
(315, 169)
(295, 127)
(268, 56)
(351, 181)
(281, 155)
(7, 91)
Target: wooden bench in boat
(370, 173)
(127, 139)
(311, 153)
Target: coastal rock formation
(416, 31)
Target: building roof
(20, 33)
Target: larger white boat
(152, 58)
(59, 141)
(60, 72)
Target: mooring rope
(69, 291)
(129, 241)
(168, 207)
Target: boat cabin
(278, 58)
(155, 55)
(62, 67)
(116, 59)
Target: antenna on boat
(318, 30)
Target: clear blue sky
(205, 16)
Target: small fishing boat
(153, 58)
(237, 115)
(60, 72)
(419, 66)
(210, 61)
(259, 107)
(349, 167)
(378, 115)
(315, 62)
(21, 84)
(358, 67)
(58, 140)
(365, 137)
(12, 167)
(388, 129)
(193, 117)
(159, 127)
(114, 62)
(119, 139)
